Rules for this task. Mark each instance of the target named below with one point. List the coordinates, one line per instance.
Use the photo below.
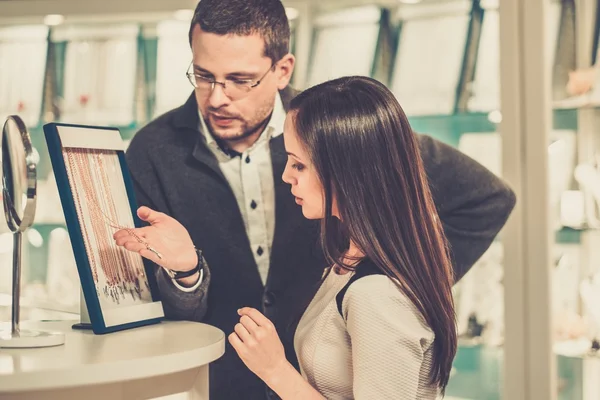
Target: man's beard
(245, 129)
(244, 133)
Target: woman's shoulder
(377, 298)
(378, 288)
(369, 279)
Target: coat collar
(186, 118)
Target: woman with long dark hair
(382, 323)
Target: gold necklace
(112, 223)
(88, 171)
(70, 174)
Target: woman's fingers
(242, 333)
(249, 324)
(256, 316)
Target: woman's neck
(352, 257)
(354, 251)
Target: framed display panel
(345, 43)
(98, 199)
(99, 76)
(485, 88)
(173, 57)
(23, 56)
(429, 57)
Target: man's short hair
(246, 17)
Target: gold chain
(87, 170)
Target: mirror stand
(17, 157)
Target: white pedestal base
(30, 338)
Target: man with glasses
(215, 165)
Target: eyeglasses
(233, 88)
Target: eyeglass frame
(191, 78)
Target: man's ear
(285, 68)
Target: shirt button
(247, 159)
(269, 299)
(253, 205)
(259, 251)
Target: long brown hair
(367, 157)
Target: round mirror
(18, 196)
(18, 175)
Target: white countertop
(88, 359)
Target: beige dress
(381, 348)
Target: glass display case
(502, 304)
(345, 43)
(173, 57)
(99, 73)
(430, 36)
(485, 87)
(23, 52)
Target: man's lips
(221, 120)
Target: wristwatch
(185, 274)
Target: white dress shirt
(251, 179)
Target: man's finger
(152, 256)
(125, 233)
(134, 246)
(121, 240)
(149, 215)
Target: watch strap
(191, 272)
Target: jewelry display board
(97, 198)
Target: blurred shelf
(49, 225)
(586, 101)
(449, 128)
(568, 236)
(477, 373)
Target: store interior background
(122, 63)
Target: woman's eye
(298, 167)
